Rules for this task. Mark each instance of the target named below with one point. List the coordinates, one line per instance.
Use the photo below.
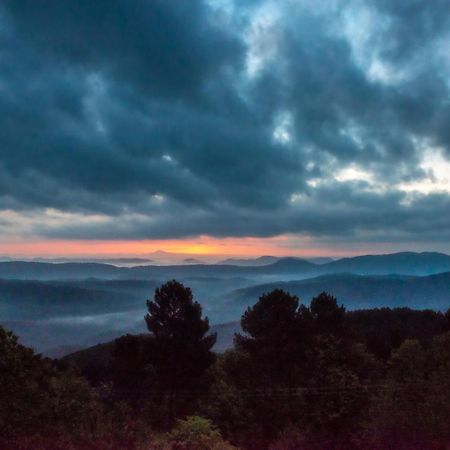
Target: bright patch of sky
(282, 128)
(27, 222)
(437, 180)
(261, 38)
(364, 30)
(354, 173)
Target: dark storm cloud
(148, 114)
(164, 48)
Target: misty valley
(298, 355)
(58, 308)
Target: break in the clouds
(154, 119)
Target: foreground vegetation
(299, 377)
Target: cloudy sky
(289, 127)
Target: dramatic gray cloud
(162, 119)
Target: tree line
(299, 376)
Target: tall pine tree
(180, 346)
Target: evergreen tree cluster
(300, 376)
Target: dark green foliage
(274, 337)
(160, 375)
(197, 433)
(180, 348)
(384, 329)
(299, 377)
(39, 402)
(129, 366)
(412, 410)
(273, 310)
(300, 365)
(327, 315)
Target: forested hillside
(306, 375)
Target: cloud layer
(153, 119)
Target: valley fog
(57, 308)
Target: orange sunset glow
(202, 246)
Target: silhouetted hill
(27, 270)
(407, 263)
(192, 261)
(113, 261)
(358, 291)
(260, 261)
(319, 259)
(292, 265)
(21, 299)
(267, 260)
(128, 286)
(99, 353)
(102, 352)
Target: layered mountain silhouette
(406, 263)
(363, 291)
(71, 304)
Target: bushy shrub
(197, 433)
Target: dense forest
(300, 376)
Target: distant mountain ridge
(260, 261)
(192, 261)
(112, 261)
(267, 260)
(27, 299)
(406, 263)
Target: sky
(206, 127)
